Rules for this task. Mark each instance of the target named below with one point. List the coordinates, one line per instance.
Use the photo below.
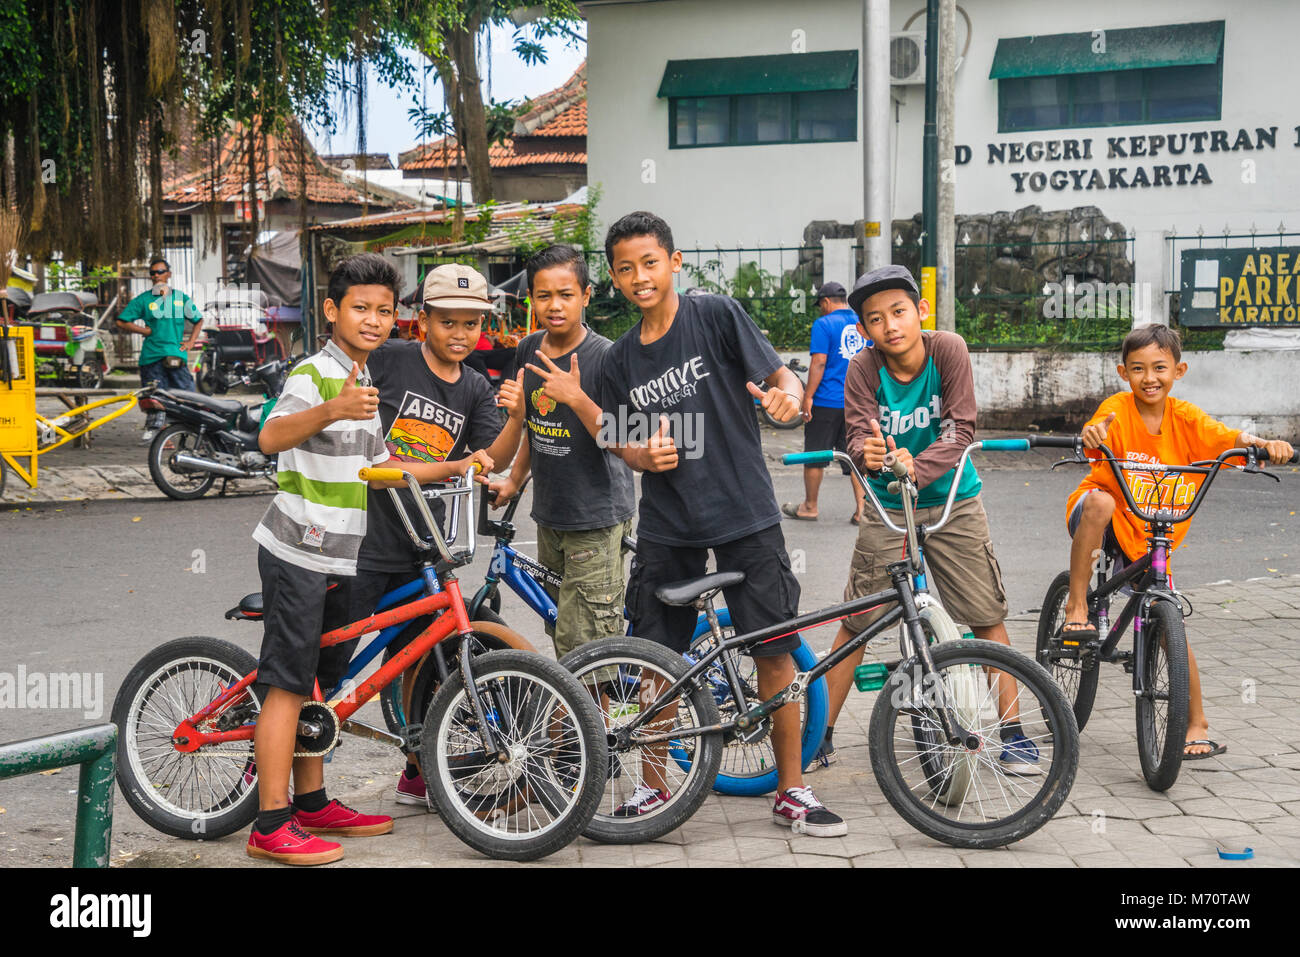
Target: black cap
(878, 280)
(830, 290)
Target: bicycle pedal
(755, 733)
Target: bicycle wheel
(543, 795)
(750, 769)
(619, 673)
(180, 483)
(1077, 677)
(206, 793)
(1162, 708)
(999, 803)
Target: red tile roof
(559, 113)
(279, 170)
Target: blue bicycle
(748, 766)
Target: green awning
(785, 73)
(1133, 48)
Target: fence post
(1150, 267)
(95, 749)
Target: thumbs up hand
(660, 453)
(511, 395)
(874, 448)
(780, 405)
(355, 401)
(1095, 434)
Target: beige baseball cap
(454, 286)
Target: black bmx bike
(936, 728)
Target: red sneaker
(289, 844)
(338, 818)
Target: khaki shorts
(589, 603)
(963, 568)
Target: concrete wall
(1059, 390)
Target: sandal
(1083, 631)
(1215, 749)
(791, 510)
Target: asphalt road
(92, 587)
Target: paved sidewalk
(1243, 634)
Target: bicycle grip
(894, 465)
(1261, 454)
(1005, 445)
(809, 458)
(381, 475)
(1051, 441)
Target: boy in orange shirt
(1145, 425)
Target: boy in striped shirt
(325, 428)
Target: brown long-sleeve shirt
(931, 415)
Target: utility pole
(946, 231)
(877, 190)
(930, 162)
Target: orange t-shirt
(1187, 435)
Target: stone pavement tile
(1032, 859)
(1101, 859)
(1264, 790)
(755, 849)
(721, 850)
(850, 845)
(646, 855)
(1181, 791)
(1209, 828)
(892, 858)
(1235, 810)
(1138, 809)
(817, 860)
(989, 859)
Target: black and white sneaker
(824, 758)
(643, 800)
(799, 810)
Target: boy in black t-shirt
(583, 496)
(677, 398)
(433, 412)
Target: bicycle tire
(562, 767)
(1161, 757)
(1076, 677)
(494, 634)
(628, 659)
(950, 779)
(750, 770)
(143, 700)
(158, 450)
(1050, 723)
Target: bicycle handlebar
(1056, 441)
(420, 495)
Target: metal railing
(95, 750)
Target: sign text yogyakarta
(1122, 162)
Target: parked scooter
(208, 438)
(235, 341)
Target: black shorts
(825, 430)
(300, 606)
(768, 595)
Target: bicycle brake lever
(1256, 470)
(1077, 460)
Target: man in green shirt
(164, 316)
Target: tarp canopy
(276, 266)
(1133, 48)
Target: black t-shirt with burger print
(425, 419)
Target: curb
(98, 483)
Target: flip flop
(791, 510)
(1087, 633)
(1215, 748)
(855, 520)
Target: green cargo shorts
(589, 602)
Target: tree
(447, 33)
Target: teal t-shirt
(911, 413)
(166, 316)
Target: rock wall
(1004, 253)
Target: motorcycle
(235, 342)
(207, 438)
(68, 347)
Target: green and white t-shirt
(318, 518)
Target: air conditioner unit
(907, 58)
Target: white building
(1168, 116)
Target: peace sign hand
(565, 387)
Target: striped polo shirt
(318, 518)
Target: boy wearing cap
(835, 340)
(438, 417)
(912, 393)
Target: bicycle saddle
(695, 590)
(250, 606)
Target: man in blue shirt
(835, 340)
(161, 315)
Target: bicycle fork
(957, 736)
